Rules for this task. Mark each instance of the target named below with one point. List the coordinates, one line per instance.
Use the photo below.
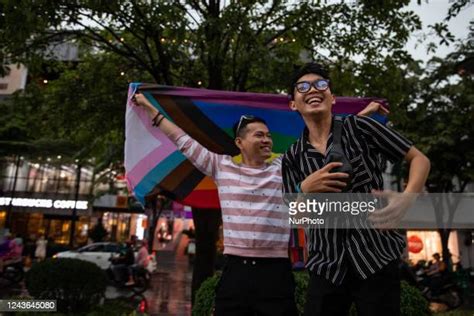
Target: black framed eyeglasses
(243, 118)
(305, 86)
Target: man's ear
(333, 99)
(238, 142)
(292, 105)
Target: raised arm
(159, 120)
(203, 159)
(419, 170)
(374, 107)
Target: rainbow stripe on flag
(152, 162)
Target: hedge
(77, 285)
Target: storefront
(121, 217)
(422, 244)
(36, 214)
(170, 227)
(40, 198)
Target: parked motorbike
(437, 289)
(442, 289)
(140, 276)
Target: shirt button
(245, 261)
(253, 262)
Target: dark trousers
(256, 286)
(378, 295)
(121, 272)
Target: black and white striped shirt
(331, 252)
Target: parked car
(100, 254)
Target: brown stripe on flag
(182, 180)
(186, 115)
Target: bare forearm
(419, 170)
(151, 110)
(163, 123)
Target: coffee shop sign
(44, 203)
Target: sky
(434, 11)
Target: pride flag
(152, 162)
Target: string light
(199, 83)
(122, 73)
(45, 81)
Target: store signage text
(44, 203)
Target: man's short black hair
(309, 68)
(242, 123)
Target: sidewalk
(170, 292)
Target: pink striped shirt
(254, 219)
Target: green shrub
(301, 287)
(204, 302)
(412, 301)
(77, 285)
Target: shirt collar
(303, 142)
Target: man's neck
(319, 128)
(254, 163)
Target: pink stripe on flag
(151, 161)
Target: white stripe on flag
(139, 142)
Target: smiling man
(257, 277)
(346, 265)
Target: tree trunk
(444, 234)
(206, 222)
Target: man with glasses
(347, 265)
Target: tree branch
(266, 16)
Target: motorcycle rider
(121, 265)
(437, 267)
(434, 274)
(143, 258)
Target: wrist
(152, 111)
(157, 119)
(411, 189)
(301, 187)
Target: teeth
(311, 100)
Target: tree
(225, 46)
(440, 123)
